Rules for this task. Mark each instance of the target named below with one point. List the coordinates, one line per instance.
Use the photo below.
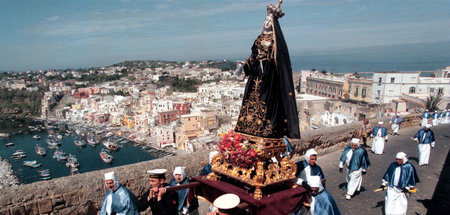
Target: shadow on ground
(439, 204)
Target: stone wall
(83, 193)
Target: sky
(59, 34)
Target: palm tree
(432, 103)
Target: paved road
(368, 202)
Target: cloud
(52, 19)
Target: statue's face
(268, 24)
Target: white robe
(424, 122)
(396, 202)
(435, 122)
(378, 143)
(424, 153)
(395, 128)
(354, 181)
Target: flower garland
(238, 151)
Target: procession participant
(365, 131)
(160, 201)
(227, 205)
(425, 116)
(208, 168)
(381, 136)
(308, 168)
(445, 116)
(118, 199)
(400, 177)
(435, 118)
(179, 178)
(396, 121)
(321, 201)
(425, 138)
(357, 161)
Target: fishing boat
(72, 161)
(29, 163)
(9, 144)
(36, 165)
(40, 150)
(91, 141)
(45, 174)
(59, 136)
(74, 171)
(43, 171)
(53, 142)
(79, 142)
(52, 147)
(46, 178)
(107, 158)
(110, 146)
(18, 152)
(37, 137)
(59, 155)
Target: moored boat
(110, 146)
(9, 144)
(107, 158)
(40, 150)
(29, 163)
(37, 137)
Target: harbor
(52, 151)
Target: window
(412, 90)
(431, 90)
(378, 93)
(441, 91)
(363, 92)
(356, 92)
(392, 80)
(379, 80)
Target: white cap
(402, 155)
(110, 176)
(355, 140)
(427, 126)
(157, 173)
(380, 123)
(180, 170)
(314, 181)
(426, 109)
(309, 153)
(227, 201)
(435, 111)
(397, 114)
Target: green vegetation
(224, 65)
(177, 84)
(432, 103)
(20, 103)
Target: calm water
(88, 156)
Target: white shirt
(108, 204)
(397, 175)
(348, 157)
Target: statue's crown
(275, 10)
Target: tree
(432, 103)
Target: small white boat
(40, 151)
(46, 178)
(110, 146)
(37, 137)
(9, 144)
(29, 163)
(59, 136)
(36, 165)
(107, 158)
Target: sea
(88, 156)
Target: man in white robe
(396, 121)
(425, 116)
(399, 178)
(381, 136)
(435, 118)
(425, 138)
(357, 161)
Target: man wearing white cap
(425, 138)
(160, 201)
(435, 118)
(308, 168)
(425, 116)
(357, 161)
(208, 168)
(226, 204)
(179, 178)
(381, 136)
(400, 177)
(396, 121)
(118, 199)
(321, 201)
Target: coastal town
(186, 105)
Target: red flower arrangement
(238, 151)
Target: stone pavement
(367, 202)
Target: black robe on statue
(269, 108)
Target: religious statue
(269, 108)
